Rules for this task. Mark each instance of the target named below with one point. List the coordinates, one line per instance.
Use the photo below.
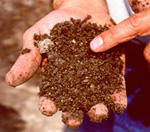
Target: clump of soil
(75, 77)
(26, 50)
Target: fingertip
(96, 44)
(47, 106)
(73, 123)
(147, 52)
(9, 80)
(24, 67)
(98, 113)
(120, 102)
(72, 120)
(147, 56)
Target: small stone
(26, 50)
(43, 45)
(73, 41)
(85, 81)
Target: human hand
(27, 64)
(136, 25)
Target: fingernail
(96, 43)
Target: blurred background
(19, 107)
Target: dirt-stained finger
(28, 61)
(47, 106)
(120, 101)
(98, 112)
(119, 98)
(71, 120)
(139, 5)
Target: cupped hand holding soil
(27, 64)
(77, 79)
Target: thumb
(136, 25)
(27, 63)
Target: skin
(27, 64)
(71, 121)
(136, 25)
(139, 5)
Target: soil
(113, 22)
(26, 50)
(75, 77)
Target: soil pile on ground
(75, 77)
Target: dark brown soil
(26, 50)
(113, 22)
(75, 77)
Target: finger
(27, 63)
(57, 3)
(47, 106)
(119, 98)
(136, 25)
(98, 112)
(139, 5)
(147, 52)
(71, 120)
(120, 102)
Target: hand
(27, 64)
(136, 25)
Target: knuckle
(112, 32)
(134, 21)
(30, 32)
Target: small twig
(86, 19)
